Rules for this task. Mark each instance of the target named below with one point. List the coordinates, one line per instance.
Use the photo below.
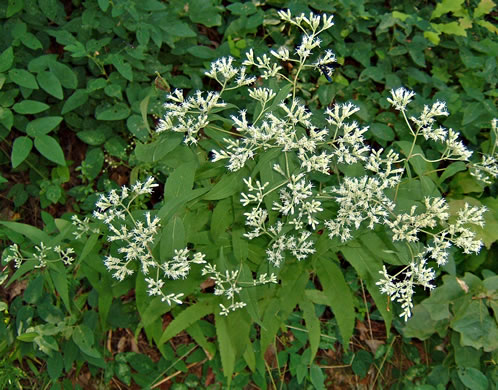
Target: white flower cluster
(487, 170)
(222, 70)
(402, 290)
(229, 286)
(189, 115)
(82, 226)
(136, 238)
(42, 255)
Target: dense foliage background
(81, 89)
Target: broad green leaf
(312, 325)
(221, 219)
(452, 169)
(55, 364)
(50, 149)
(186, 318)
(115, 112)
(6, 118)
(382, 131)
(30, 41)
(227, 350)
(229, 185)
(339, 294)
(30, 107)
(49, 8)
(34, 291)
(50, 84)
(452, 28)
(368, 266)
(6, 59)
(23, 78)
(20, 150)
(446, 6)
(317, 377)
(103, 4)
(94, 160)
(471, 112)
(473, 378)
(196, 332)
(43, 126)
(13, 7)
(137, 127)
(180, 181)
(34, 234)
(123, 68)
(156, 150)
(173, 237)
(92, 137)
(483, 8)
(77, 99)
(204, 12)
(84, 339)
(203, 52)
(476, 327)
(64, 73)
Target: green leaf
(203, 52)
(452, 169)
(55, 364)
(50, 149)
(64, 73)
(229, 185)
(77, 99)
(84, 339)
(43, 126)
(23, 78)
(103, 4)
(180, 181)
(471, 112)
(49, 8)
(361, 363)
(50, 84)
(92, 137)
(123, 68)
(115, 112)
(6, 59)
(94, 160)
(381, 131)
(221, 219)
(339, 294)
(368, 266)
(227, 350)
(137, 127)
(173, 237)
(317, 377)
(186, 318)
(156, 150)
(312, 325)
(34, 234)
(20, 150)
(34, 291)
(30, 107)
(30, 41)
(446, 6)
(6, 118)
(204, 12)
(483, 8)
(13, 7)
(473, 378)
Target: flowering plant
(305, 189)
